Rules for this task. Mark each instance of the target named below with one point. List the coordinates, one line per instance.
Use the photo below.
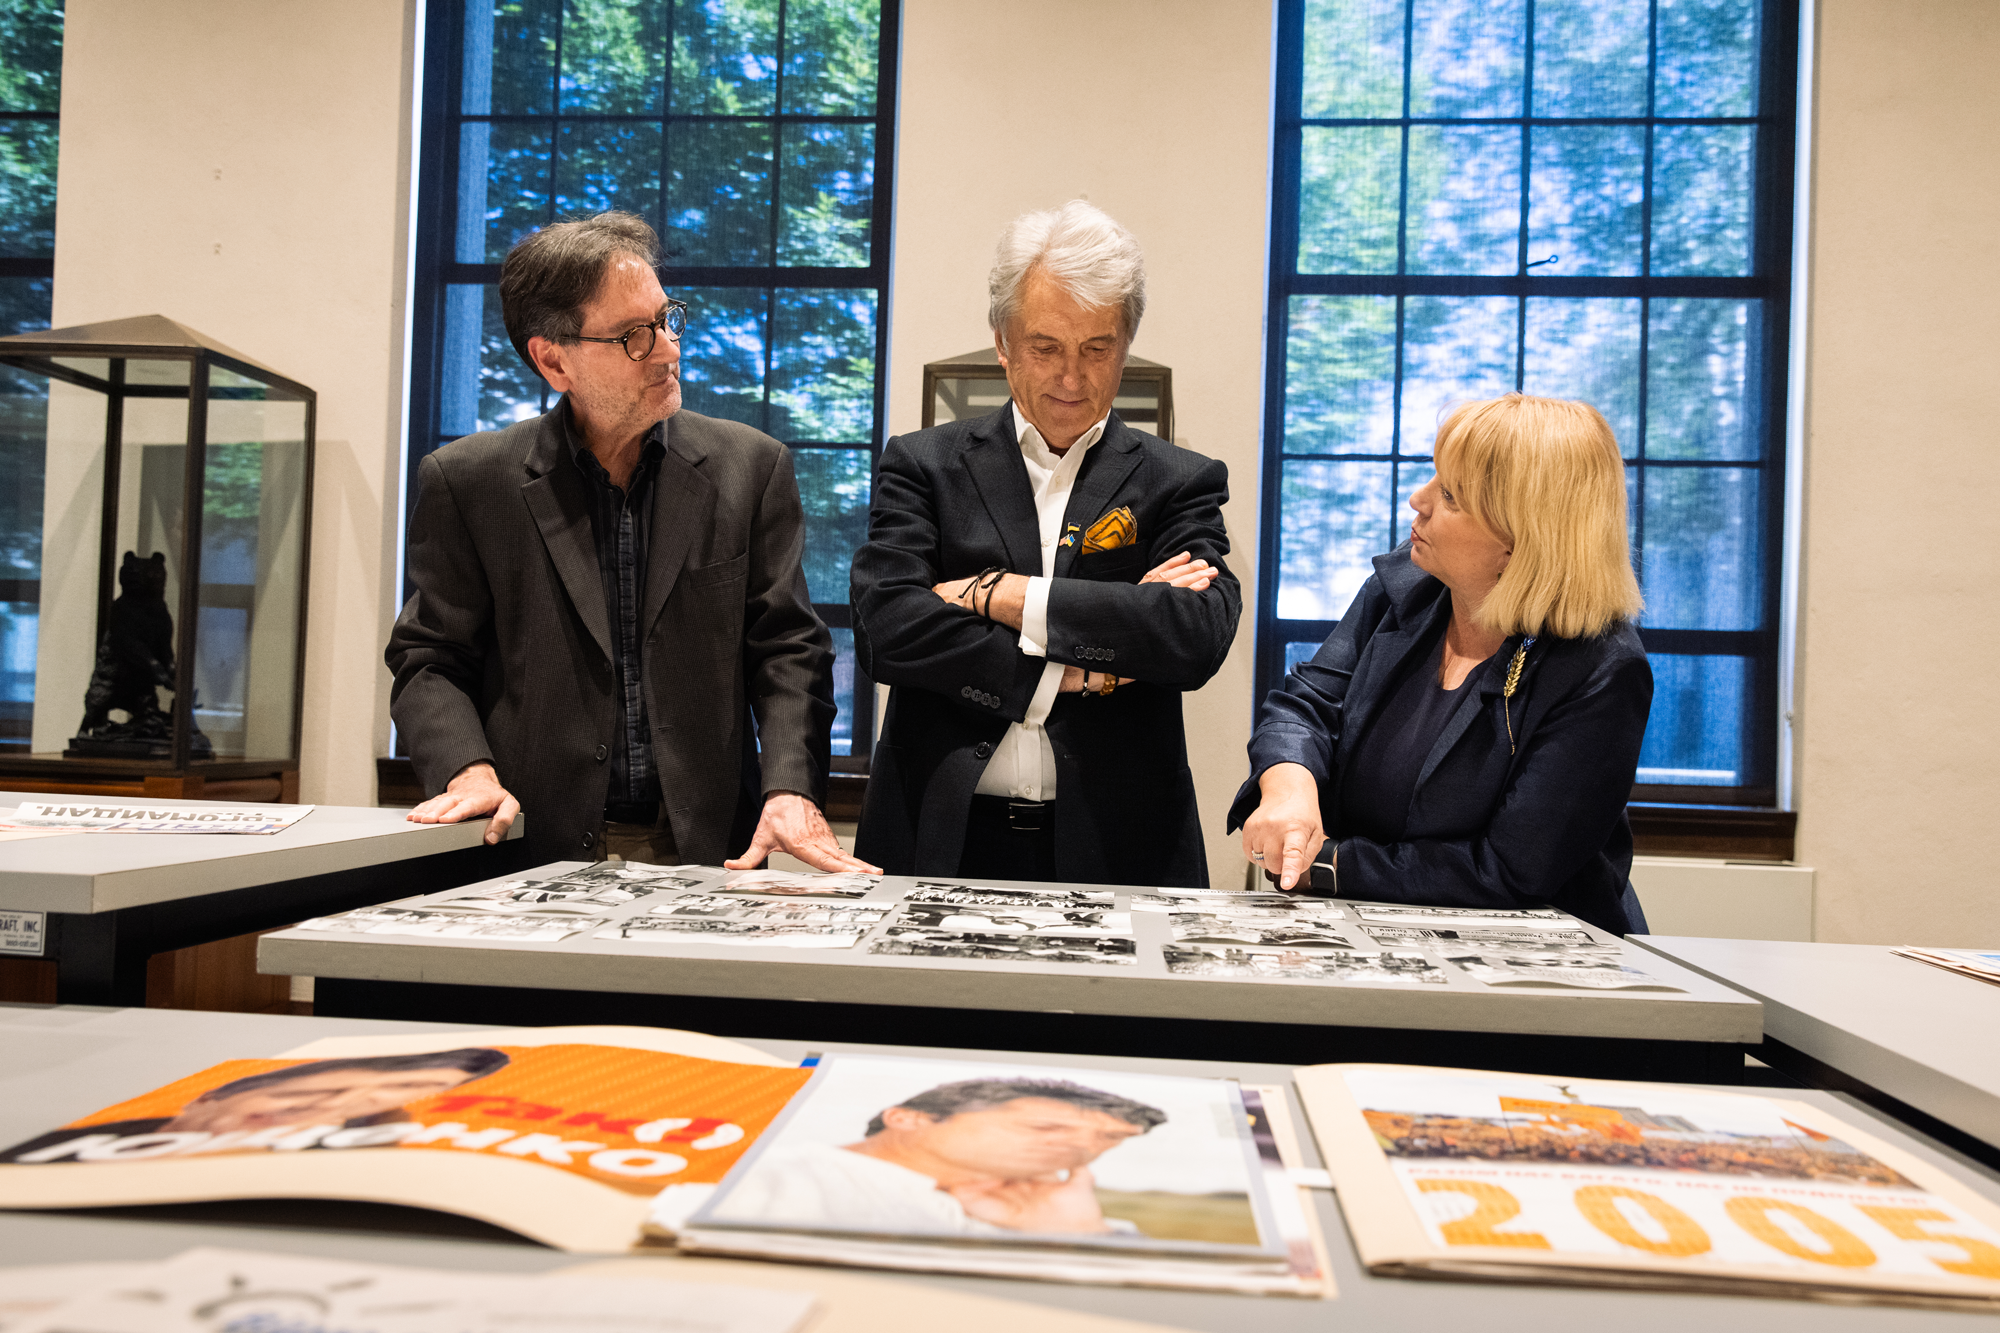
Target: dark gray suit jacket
(953, 500)
(503, 652)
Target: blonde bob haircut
(1545, 476)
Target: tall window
(1578, 198)
(30, 97)
(755, 135)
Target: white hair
(1079, 247)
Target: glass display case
(974, 385)
(155, 519)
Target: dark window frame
(1771, 218)
(435, 269)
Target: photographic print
(1208, 900)
(980, 895)
(915, 942)
(1397, 913)
(896, 1147)
(549, 896)
(1274, 930)
(1411, 937)
(522, 927)
(1228, 960)
(710, 919)
(785, 884)
(631, 876)
(1574, 969)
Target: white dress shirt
(1023, 765)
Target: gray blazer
(503, 652)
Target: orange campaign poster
(618, 1118)
(625, 1118)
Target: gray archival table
(1696, 1033)
(112, 900)
(59, 1064)
(1902, 1034)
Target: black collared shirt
(621, 523)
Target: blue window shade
(1586, 199)
(755, 135)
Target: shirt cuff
(1045, 695)
(1035, 617)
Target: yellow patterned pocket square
(1117, 528)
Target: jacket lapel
(1382, 665)
(1105, 468)
(683, 506)
(560, 506)
(993, 457)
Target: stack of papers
(1983, 964)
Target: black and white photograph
(1203, 900)
(1571, 969)
(552, 896)
(539, 928)
(1272, 930)
(916, 942)
(983, 895)
(1393, 913)
(702, 918)
(631, 875)
(786, 884)
(1227, 960)
(1415, 937)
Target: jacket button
(589, 840)
(1110, 654)
(602, 752)
(965, 692)
(983, 750)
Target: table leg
(96, 962)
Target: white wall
(241, 166)
(1899, 749)
(1158, 112)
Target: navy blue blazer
(1542, 826)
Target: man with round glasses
(609, 628)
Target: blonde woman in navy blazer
(1469, 733)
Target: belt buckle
(1025, 816)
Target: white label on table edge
(23, 934)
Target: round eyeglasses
(638, 343)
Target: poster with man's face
(636, 1120)
(882, 1146)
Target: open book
(612, 1140)
(1454, 1173)
(564, 1135)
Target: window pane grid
(752, 135)
(1428, 227)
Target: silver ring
(1256, 856)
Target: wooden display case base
(225, 780)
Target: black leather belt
(1022, 816)
(633, 812)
